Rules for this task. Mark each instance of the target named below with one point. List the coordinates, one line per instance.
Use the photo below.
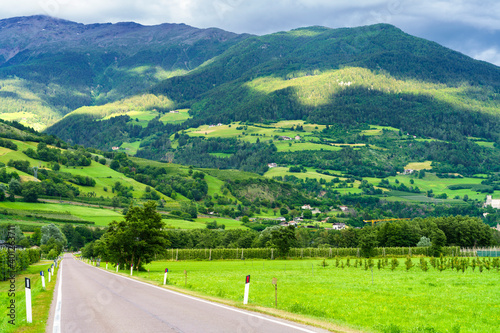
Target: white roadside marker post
(27, 284)
(247, 289)
(43, 279)
(117, 265)
(106, 265)
(165, 276)
(49, 274)
(131, 268)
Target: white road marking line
(213, 304)
(57, 315)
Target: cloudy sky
(469, 26)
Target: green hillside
(50, 67)
(366, 116)
(375, 75)
(88, 186)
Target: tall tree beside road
(136, 239)
(284, 238)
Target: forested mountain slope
(49, 67)
(377, 75)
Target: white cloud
(431, 19)
(490, 55)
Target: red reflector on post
(248, 279)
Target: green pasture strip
(419, 165)
(292, 146)
(353, 190)
(486, 144)
(46, 216)
(19, 155)
(183, 224)
(232, 175)
(378, 130)
(133, 147)
(437, 185)
(40, 300)
(5, 219)
(220, 154)
(214, 187)
(100, 216)
(397, 301)
(310, 173)
(175, 118)
(171, 168)
(200, 223)
(250, 133)
(229, 223)
(140, 118)
(105, 177)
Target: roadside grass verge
(396, 301)
(40, 300)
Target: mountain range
(59, 73)
(49, 67)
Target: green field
(140, 118)
(377, 130)
(100, 216)
(486, 144)
(262, 132)
(397, 301)
(292, 146)
(438, 185)
(106, 177)
(200, 223)
(131, 148)
(175, 118)
(419, 165)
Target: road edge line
(56, 326)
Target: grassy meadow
(105, 178)
(309, 141)
(40, 300)
(396, 301)
(175, 117)
(100, 216)
(200, 223)
(429, 182)
(250, 133)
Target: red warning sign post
(247, 289)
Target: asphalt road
(88, 299)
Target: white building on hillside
(495, 203)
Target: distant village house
(495, 203)
(339, 226)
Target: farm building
(495, 203)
